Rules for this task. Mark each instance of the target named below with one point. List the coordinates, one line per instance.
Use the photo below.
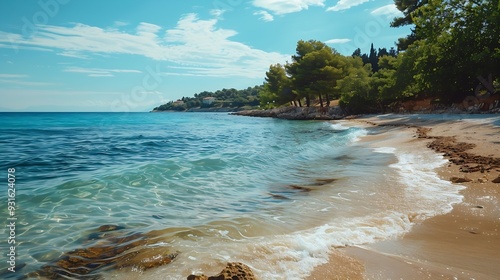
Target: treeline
(225, 98)
(453, 51)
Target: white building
(208, 100)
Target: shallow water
(273, 194)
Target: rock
(459, 180)
(321, 182)
(146, 258)
(126, 250)
(299, 188)
(497, 180)
(104, 231)
(232, 271)
(105, 228)
(197, 277)
(297, 113)
(278, 196)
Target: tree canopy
(457, 45)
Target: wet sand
(462, 244)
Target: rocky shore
(469, 105)
(297, 113)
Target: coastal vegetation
(451, 55)
(225, 98)
(452, 52)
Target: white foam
(338, 126)
(296, 255)
(385, 150)
(417, 171)
(356, 135)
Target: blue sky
(125, 56)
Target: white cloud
(338, 41)
(7, 42)
(390, 11)
(73, 54)
(25, 83)
(13, 76)
(120, 23)
(346, 4)
(217, 12)
(148, 29)
(281, 7)
(265, 16)
(20, 79)
(193, 42)
(99, 72)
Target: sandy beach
(462, 244)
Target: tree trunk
(320, 101)
(488, 84)
(300, 103)
(308, 101)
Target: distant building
(178, 103)
(208, 100)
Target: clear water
(213, 187)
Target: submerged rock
(126, 250)
(232, 271)
(321, 182)
(104, 231)
(299, 188)
(105, 228)
(278, 196)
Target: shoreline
(461, 243)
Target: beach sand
(462, 244)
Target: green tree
(315, 70)
(277, 88)
(357, 52)
(394, 80)
(458, 46)
(373, 58)
(410, 9)
(355, 87)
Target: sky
(132, 56)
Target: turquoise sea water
(215, 187)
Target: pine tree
(373, 58)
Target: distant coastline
(205, 110)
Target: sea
(210, 188)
